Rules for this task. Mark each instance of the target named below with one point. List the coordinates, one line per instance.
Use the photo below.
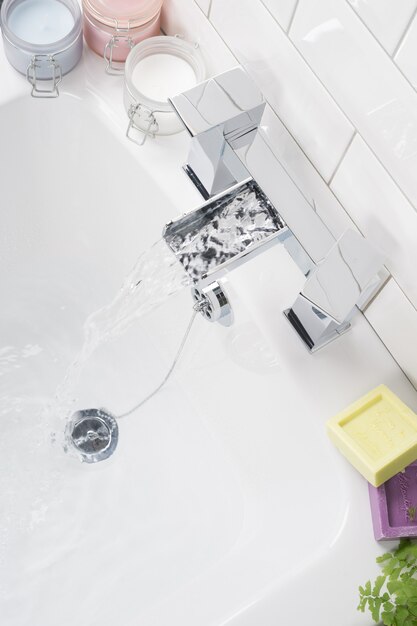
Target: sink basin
(224, 502)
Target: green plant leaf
(395, 604)
(388, 618)
(391, 565)
(401, 614)
(375, 611)
(384, 557)
(395, 574)
(412, 549)
(378, 585)
(409, 588)
(408, 571)
(394, 586)
(401, 598)
(413, 609)
(406, 551)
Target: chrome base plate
(306, 339)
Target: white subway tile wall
(395, 320)
(386, 19)
(340, 78)
(204, 5)
(406, 57)
(381, 211)
(185, 18)
(364, 81)
(282, 11)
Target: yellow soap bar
(377, 434)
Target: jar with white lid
(157, 69)
(42, 39)
(113, 27)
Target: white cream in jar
(159, 76)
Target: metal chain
(197, 308)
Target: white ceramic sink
(224, 502)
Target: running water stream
(156, 276)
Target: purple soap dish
(394, 505)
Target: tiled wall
(340, 79)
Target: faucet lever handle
(348, 277)
(230, 100)
(343, 279)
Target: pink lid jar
(113, 27)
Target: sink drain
(93, 433)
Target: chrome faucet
(241, 180)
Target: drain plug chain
(93, 433)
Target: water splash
(156, 276)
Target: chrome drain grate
(93, 433)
